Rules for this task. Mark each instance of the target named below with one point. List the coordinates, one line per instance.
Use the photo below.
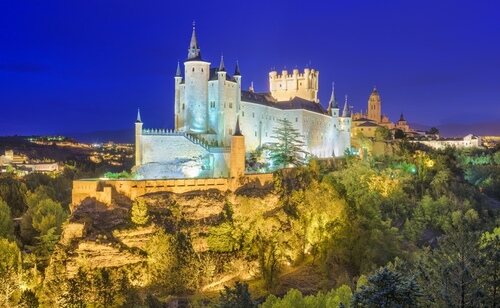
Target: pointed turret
(237, 69)
(178, 71)
(222, 68)
(251, 89)
(333, 101)
(194, 50)
(138, 120)
(346, 112)
(237, 130)
(401, 118)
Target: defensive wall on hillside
(108, 190)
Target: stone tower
(178, 106)
(374, 106)
(334, 112)
(138, 137)
(286, 86)
(237, 155)
(196, 75)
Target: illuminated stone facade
(208, 102)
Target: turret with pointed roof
(222, 68)
(138, 120)
(194, 50)
(333, 101)
(237, 69)
(178, 71)
(345, 112)
(237, 130)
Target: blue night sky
(76, 66)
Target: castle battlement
(286, 86)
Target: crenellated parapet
(286, 86)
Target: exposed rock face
(100, 235)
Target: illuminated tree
(288, 150)
(489, 245)
(46, 215)
(140, 212)
(6, 226)
(28, 300)
(382, 133)
(10, 259)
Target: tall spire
(221, 65)
(178, 71)
(237, 130)
(194, 50)
(138, 116)
(333, 100)
(237, 69)
(345, 112)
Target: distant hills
(446, 130)
(460, 130)
(118, 136)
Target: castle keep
(211, 109)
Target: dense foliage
(418, 228)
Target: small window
(296, 119)
(253, 114)
(193, 69)
(183, 106)
(230, 105)
(255, 133)
(242, 113)
(202, 70)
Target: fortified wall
(110, 191)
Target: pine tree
(288, 148)
(237, 297)
(140, 212)
(388, 288)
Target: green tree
(433, 131)
(449, 275)
(288, 150)
(172, 262)
(236, 297)
(399, 134)
(10, 271)
(140, 212)
(388, 288)
(382, 133)
(489, 245)
(28, 299)
(6, 226)
(76, 291)
(47, 215)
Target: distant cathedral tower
(374, 106)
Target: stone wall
(108, 191)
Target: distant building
(366, 123)
(469, 141)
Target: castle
(211, 109)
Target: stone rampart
(108, 191)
